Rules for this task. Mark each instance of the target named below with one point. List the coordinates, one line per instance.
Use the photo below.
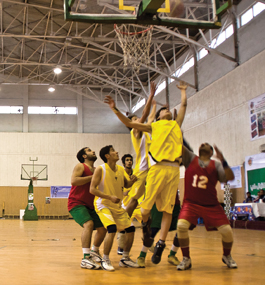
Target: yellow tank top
(166, 141)
(141, 148)
(111, 183)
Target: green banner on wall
(256, 180)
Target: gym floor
(49, 252)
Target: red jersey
(80, 195)
(200, 184)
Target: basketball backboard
(29, 171)
(194, 13)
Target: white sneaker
(184, 264)
(106, 265)
(96, 256)
(89, 263)
(127, 262)
(228, 260)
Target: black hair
(130, 117)
(158, 113)
(105, 150)
(80, 154)
(125, 156)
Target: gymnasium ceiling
(35, 39)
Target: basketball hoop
(34, 180)
(135, 42)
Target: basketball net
(135, 42)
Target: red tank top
(80, 195)
(200, 184)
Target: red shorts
(213, 216)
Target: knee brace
(112, 229)
(131, 229)
(183, 228)
(226, 233)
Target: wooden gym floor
(49, 252)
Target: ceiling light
(51, 89)
(57, 70)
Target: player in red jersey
(81, 207)
(200, 200)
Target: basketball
(176, 8)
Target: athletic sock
(125, 254)
(227, 251)
(95, 248)
(106, 257)
(186, 251)
(142, 254)
(172, 253)
(162, 242)
(86, 252)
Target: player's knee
(183, 225)
(89, 225)
(226, 232)
(112, 229)
(131, 229)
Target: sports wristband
(225, 164)
(115, 110)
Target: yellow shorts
(119, 218)
(161, 188)
(138, 187)
(137, 215)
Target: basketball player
(81, 207)
(127, 161)
(163, 176)
(141, 142)
(200, 200)
(107, 185)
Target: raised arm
(153, 113)
(183, 105)
(228, 171)
(94, 187)
(148, 104)
(77, 179)
(127, 122)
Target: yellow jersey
(141, 148)
(166, 141)
(126, 198)
(112, 183)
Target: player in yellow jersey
(163, 176)
(127, 161)
(107, 185)
(141, 142)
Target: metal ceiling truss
(35, 39)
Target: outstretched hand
(182, 85)
(152, 88)
(219, 154)
(108, 99)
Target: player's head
(86, 153)
(163, 114)
(133, 118)
(205, 150)
(248, 194)
(108, 153)
(127, 161)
